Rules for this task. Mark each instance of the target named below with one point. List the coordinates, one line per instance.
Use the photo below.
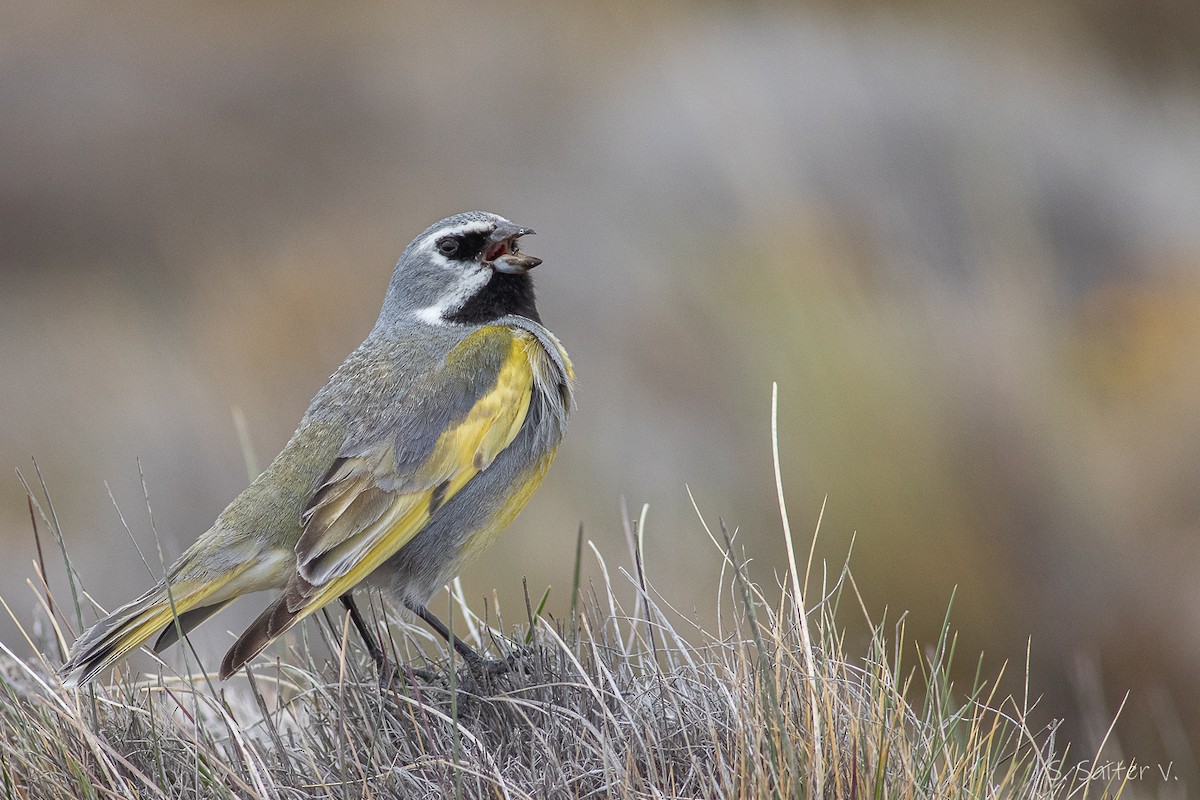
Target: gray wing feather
(403, 396)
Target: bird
(423, 446)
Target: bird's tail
(190, 601)
(271, 623)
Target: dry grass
(622, 699)
(612, 703)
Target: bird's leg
(373, 644)
(477, 663)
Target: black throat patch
(502, 295)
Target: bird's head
(465, 269)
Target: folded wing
(378, 496)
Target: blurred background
(965, 242)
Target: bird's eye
(447, 245)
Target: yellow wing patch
(355, 526)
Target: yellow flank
(492, 422)
(459, 455)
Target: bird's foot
(483, 671)
(492, 667)
(426, 675)
(396, 675)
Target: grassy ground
(615, 702)
(625, 698)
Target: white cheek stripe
(454, 299)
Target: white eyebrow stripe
(458, 230)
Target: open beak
(502, 253)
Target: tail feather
(108, 640)
(153, 613)
(185, 623)
(271, 623)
